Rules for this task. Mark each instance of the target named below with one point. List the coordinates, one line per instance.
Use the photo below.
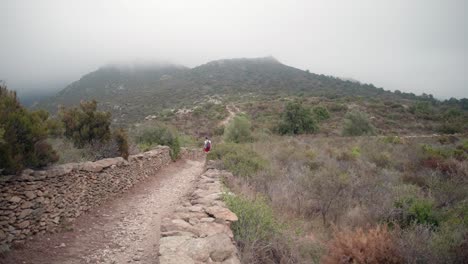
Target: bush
(238, 131)
(85, 124)
(422, 109)
(257, 233)
(336, 107)
(451, 127)
(357, 124)
(159, 134)
(239, 159)
(23, 135)
(55, 127)
(121, 139)
(256, 221)
(219, 130)
(415, 211)
(321, 113)
(297, 119)
(376, 245)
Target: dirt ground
(122, 230)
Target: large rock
(212, 228)
(105, 163)
(178, 225)
(169, 245)
(60, 170)
(175, 259)
(218, 247)
(219, 212)
(92, 166)
(232, 260)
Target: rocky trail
(122, 230)
(233, 111)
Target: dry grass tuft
(375, 245)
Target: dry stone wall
(199, 230)
(46, 200)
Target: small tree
(239, 130)
(159, 134)
(23, 135)
(297, 119)
(357, 123)
(85, 124)
(121, 138)
(321, 113)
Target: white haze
(411, 45)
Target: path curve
(124, 230)
(233, 111)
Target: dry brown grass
(309, 178)
(376, 245)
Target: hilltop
(134, 92)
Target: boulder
(221, 213)
(60, 170)
(91, 166)
(169, 245)
(218, 247)
(231, 260)
(175, 259)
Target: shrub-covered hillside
(131, 93)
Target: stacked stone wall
(47, 200)
(199, 230)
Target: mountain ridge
(134, 91)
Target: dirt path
(124, 230)
(233, 110)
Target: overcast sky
(411, 45)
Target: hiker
(207, 145)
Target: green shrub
(239, 159)
(159, 134)
(444, 152)
(219, 130)
(23, 135)
(85, 124)
(357, 124)
(422, 109)
(450, 240)
(336, 107)
(416, 211)
(121, 138)
(382, 159)
(321, 113)
(55, 127)
(297, 119)
(256, 221)
(352, 154)
(239, 130)
(451, 127)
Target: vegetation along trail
(123, 230)
(233, 111)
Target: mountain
(133, 92)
